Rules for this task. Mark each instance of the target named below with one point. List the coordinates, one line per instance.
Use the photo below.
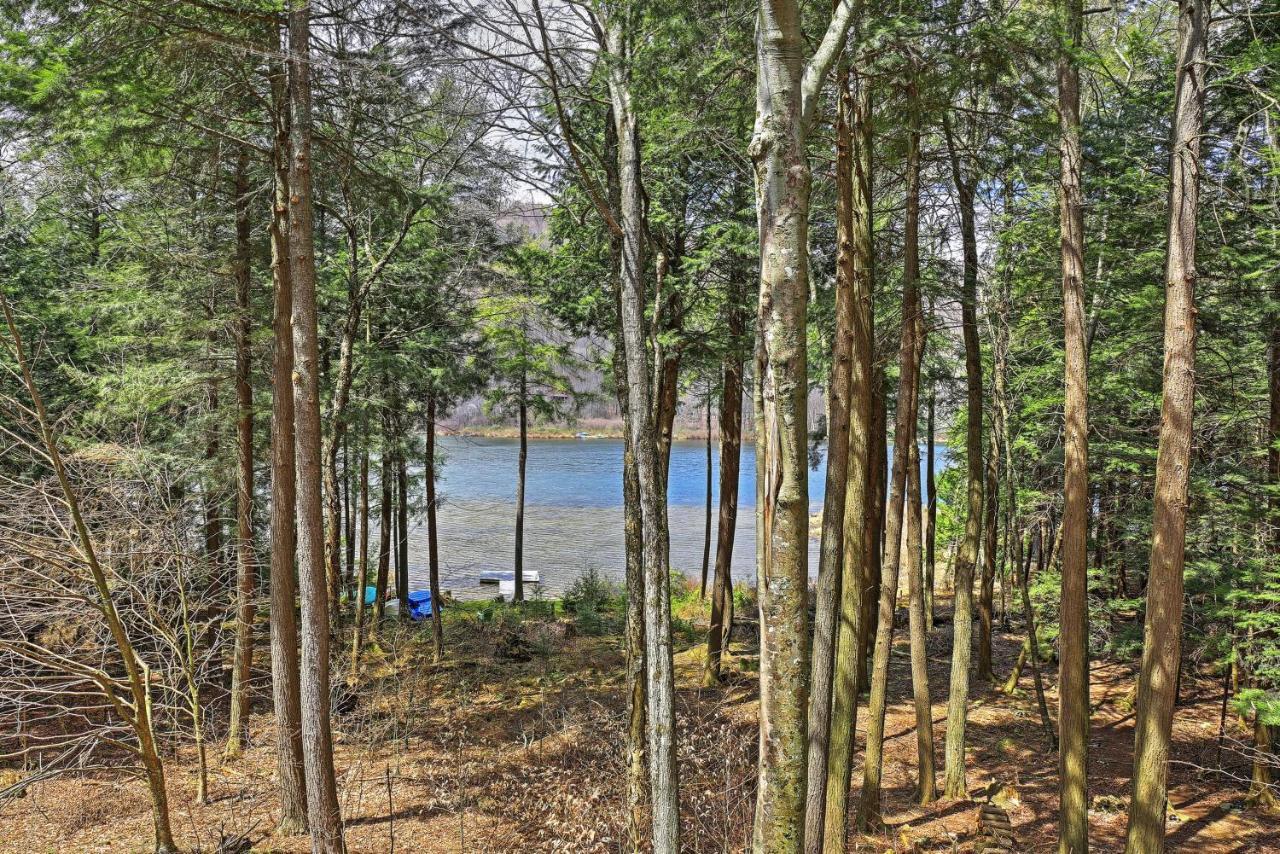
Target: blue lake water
(588, 472)
(574, 513)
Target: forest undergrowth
(514, 743)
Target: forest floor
(514, 744)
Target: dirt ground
(486, 754)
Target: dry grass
(486, 753)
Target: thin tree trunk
(523, 463)
(433, 540)
(967, 558)
(402, 523)
(246, 561)
(637, 769)
(1163, 627)
(349, 512)
(385, 525)
(285, 676)
(931, 519)
(660, 678)
(730, 463)
(850, 656)
(926, 785)
(317, 752)
(986, 589)
(362, 576)
(706, 534)
(1073, 659)
(904, 438)
(136, 712)
(873, 535)
(831, 546)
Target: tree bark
(362, 575)
(706, 534)
(1163, 625)
(906, 415)
(433, 540)
(730, 462)
(986, 589)
(660, 679)
(523, 412)
(385, 525)
(831, 546)
(317, 752)
(967, 558)
(787, 92)
(285, 674)
(926, 785)
(931, 518)
(246, 560)
(855, 106)
(1073, 659)
(402, 523)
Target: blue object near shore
(370, 593)
(420, 604)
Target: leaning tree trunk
(660, 677)
(317, 740)
(967, 558)
(284, 622)
(833, 517)
(136, 709)
(849, 657)
(904, 437)
(1163, 627)
(246, 563)
(1073, 662)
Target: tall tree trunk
(348, 512)
(831, 546)
(1073, 659)
(385, 524)
(660, 678)
(523, 463)
(706, 534)
(433, 540)
(931, 518)
(787, 92)
(967, 558)
(285, 674)
(986, 589)
(1163, 627)
(362, 575)
(402, 523)
(905, 419)
(637, 768)
(246, 560)
(926, 785)
(730, 462)
(317, 752)
(855, 107)
(873, 535)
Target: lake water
(573, 512)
